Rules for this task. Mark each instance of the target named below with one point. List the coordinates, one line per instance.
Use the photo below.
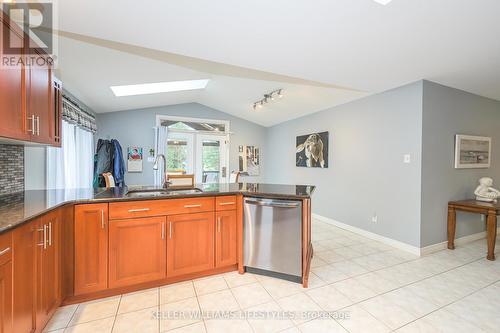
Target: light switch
(407, 158)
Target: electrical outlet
(375, 218)
(407, 158)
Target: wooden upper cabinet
(190, 243)
(48, 267)
(138, 251)
(226, 238)
(40, 104)
(24, 277)
(91, 248)
(30, 106)
(13, 124)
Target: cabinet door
(225, 238)
(190, 243)
(48, 268)
(12, 111)
(138, 251)
(40, 104)
(24, 277)
(91, 248)
(6, 297)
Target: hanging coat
(118, 163)
(103, 161)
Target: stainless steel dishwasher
(272, 238)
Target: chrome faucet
(164, 181)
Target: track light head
(267, 98)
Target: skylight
(159, 87)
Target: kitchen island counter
(18, 208)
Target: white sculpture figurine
(484, 192)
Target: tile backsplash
(11, 169)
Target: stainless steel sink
(161, 193)
(147, 193)
(184, 191)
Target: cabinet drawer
(227, 202)
(5, 247)
(131, 209)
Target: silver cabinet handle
(50, 233)
(38, 125)
(40, 244)
(139, 210)
(192, 206)
(163, 230)
(218, 224)
(226, 203)
(44, 243)
(4, 251)
(32, 130)
(170, 232)
(103, 225)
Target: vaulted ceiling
(323, 53)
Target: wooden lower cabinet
(6, 297)
(226, 252)
(48, 268)
(91, 248)
(138, 251)
(190, 244)
(77, 251)
(6, 283)
(24, 277)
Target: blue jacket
(118, 164)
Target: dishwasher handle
(278, 204)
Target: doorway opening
(197, 146)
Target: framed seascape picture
(472, 151)
(312, 150)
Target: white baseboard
(400, 245)
(368, 234)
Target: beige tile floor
(356, 285)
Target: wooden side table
(491, 210)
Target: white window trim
(226, 123)
(226, 133)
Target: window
(210, 158)
(72, 165)
(195, 146)
(177, 154)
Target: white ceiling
(357, 44)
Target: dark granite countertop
(20, 207)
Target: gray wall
(366, 176)
(135, 128)
(35, 170)
(446, 112)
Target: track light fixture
(268, 98)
